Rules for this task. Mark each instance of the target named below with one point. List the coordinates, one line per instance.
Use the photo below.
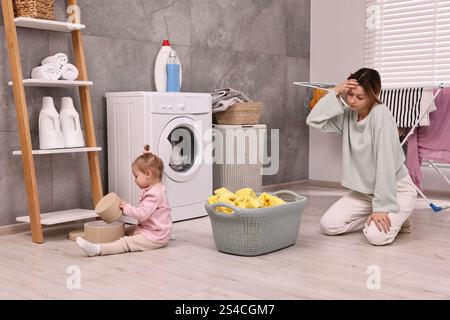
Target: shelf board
(53, 83)
(59, 151)
(58, 217)
(50, 25)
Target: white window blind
(408, 41)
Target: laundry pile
(408, 105)
(244, 198)
(223, 99)
(54, 68)
(431, 142)
(313, 95)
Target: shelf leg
(88, 117)
(23, 122)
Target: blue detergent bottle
(173, 73)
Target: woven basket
(240, 113)
(38, 9)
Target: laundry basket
(245, 142)
(240, 113)
(38, 9)
(253, 232)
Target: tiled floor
(416, 266)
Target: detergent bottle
(173, 73)
(160, 67)
(50, 135)
(70, 124)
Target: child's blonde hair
(150, 161)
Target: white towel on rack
(427, 98)
(69, 72)
(59, 58)
(49, 71)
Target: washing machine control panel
(181, 104)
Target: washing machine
(178, 128)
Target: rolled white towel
(69, 72)
(48, 71)
(59, 58)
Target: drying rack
(330, 86)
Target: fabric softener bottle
(173, 73)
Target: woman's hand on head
(381, 220)
(345, 86)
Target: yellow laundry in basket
(244, 198)
(224, 199)
(247, 202)
(269, 200)
(224, 192)
(246, 192)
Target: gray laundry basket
(253, 232)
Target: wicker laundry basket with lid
(38, 9)
(240, 113)
(254, 232)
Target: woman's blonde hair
(150, 161)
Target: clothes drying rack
(329, 87)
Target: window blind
(408, 41)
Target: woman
(382, 193)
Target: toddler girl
(153, 214)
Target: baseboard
(287, 185)
(326, 184)
(25, 228)
(14, 229)
(333, 184)
(314, 183)
(436, 194)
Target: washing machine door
(180, 147)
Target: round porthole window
(182, 157)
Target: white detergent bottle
(70, 124)
(161, 69)
(50, 135)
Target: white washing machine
(178, 128)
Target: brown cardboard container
(102, 232)
(108, 208)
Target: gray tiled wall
(256, 46)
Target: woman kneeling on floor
(382, 193)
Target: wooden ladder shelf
(18, 83)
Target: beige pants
(133, 242)
(351, 212)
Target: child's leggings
(133, 243)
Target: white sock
(91, 249)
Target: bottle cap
(166, 43)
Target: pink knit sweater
(154, 214)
